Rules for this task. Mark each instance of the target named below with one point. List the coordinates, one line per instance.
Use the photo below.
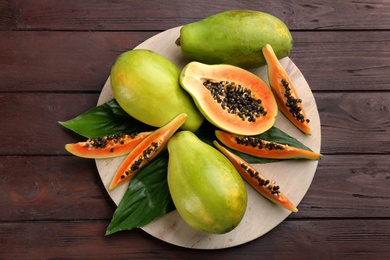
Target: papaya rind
(235, 37)
(206, 188)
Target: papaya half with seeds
(145, 151)
(231, 98)
(285, 93)
(205, 187)
(146, 85)
(259, 182)
(106, 147)
(262, 148)
(235, 37)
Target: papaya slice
(285, 93)
(231, 98)
(145, 151)
(258, 181)
(106, 147)
(262, 148)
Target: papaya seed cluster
(103, 142)
(236, 99)
(141, 160)
(270, 185)
(293, 103)
(259, 143)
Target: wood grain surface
(55, 57)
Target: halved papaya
(145, 151)
(263, 148)
(285, 93)
(231, 98)
(259, 182)
(106, 147)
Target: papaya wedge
(145, 151)
(262, 148)
(285, 92)
(106, 147)
(259, 182)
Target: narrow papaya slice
(231, 98)
(145, 151)
(262, 148)
(285, 93)
(259, 182)
(106, 147)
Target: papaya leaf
(276, 135)
(108, 118)
(146, 198)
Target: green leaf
(106, 119)
(276, 135)
(146, 198)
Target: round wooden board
(293, 176)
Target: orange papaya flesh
(145, 151)
(262, 148)
(285, 93)
(106, 147)
(231, 98)
(258, 181)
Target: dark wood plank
(66, 61)
(331, 61)
(52, 188)
(342, 239)
(351, 122)
(32, 120)
(158, 15)
(81, 61)
(348, 186)
(69, 188)
(354, 122)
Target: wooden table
(55, 57)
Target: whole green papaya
(208, 192)
(235, 37)
(146, 86)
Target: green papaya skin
(235, 37)
(146, 85)
(207, 190)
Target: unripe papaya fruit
(146, 85)
(235, 37)
(207, 190)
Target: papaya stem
(177, 42)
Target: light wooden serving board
(293, 176)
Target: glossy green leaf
(108, 118)
(146, 198)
